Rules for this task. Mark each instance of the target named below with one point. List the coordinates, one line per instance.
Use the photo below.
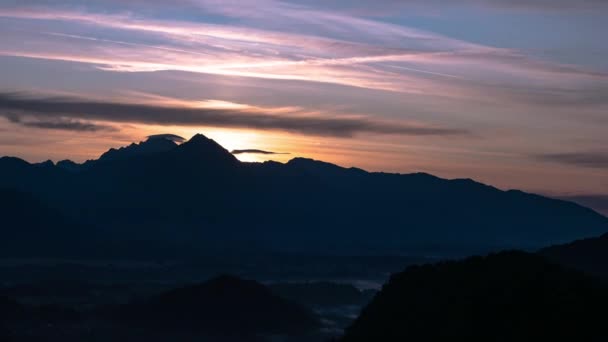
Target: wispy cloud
(360, 52)
(319, 68)
(553, 5)
(582, 159)
(167, 136)
(59, 124)
(390, 7)
(42, 109)
(255, 151)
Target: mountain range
(159, 198)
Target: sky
(513, 93)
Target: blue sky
(510, 92)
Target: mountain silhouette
(196, 198)
(69, 165)
(30, 228)
(510, 296)
(200, 148)
(223, 305)
(588, 255)
(150, 146)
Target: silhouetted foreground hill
(510, 296)
(588, 255)
(170, 200)
(222, 309)
(224, 305)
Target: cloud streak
(255, 151)
(320, 68)
(581, 159)
(386, 6)
(60, 124)
(172, 137)
(249, 117)
(362, 53)
(552, 5)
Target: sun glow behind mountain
(398, 86)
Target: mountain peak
(199, 138)
(200, 146)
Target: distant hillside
(164, 200)
(30, 228)
(511, 296)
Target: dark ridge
(510, 296)
(588, 255)
(151, 146)
(13, 162)
(69, 165)
(225, 304)
(48, 163)
(316, 166)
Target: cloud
(390, 7)
(582, 159)
(172, 137)
(254, 151)
(305, 123)
(60, 124)
(562, 5)
(335, 4)
(328, 48)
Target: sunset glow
(397, 87)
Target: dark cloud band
(583, 159)
(77, 109)
(59, 124)
(254, 151)
(172, 137)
